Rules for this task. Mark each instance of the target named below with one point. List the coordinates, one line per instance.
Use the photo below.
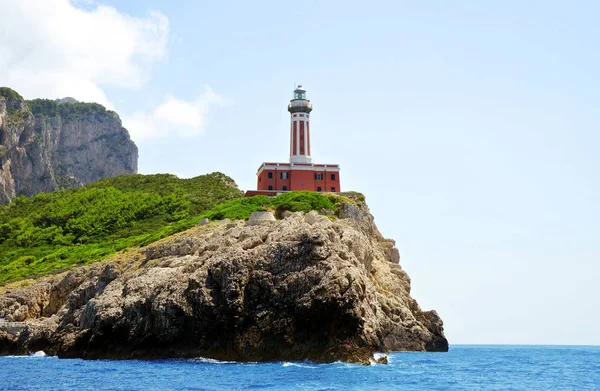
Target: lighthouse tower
(300, 109)
(300, 173)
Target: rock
(260, 218)
(327, 212)
(67, 99)
(395, 256)
(203, 221)
(313, 217)
(109, 273)
(381, 360)
(46, 152)
(299, 288)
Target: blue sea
(465, 367)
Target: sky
(471, 127)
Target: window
(284, 188)
(333, 189)
(333, 177)
(284, 175)
(319, 177)
(318, 188)
(270, 187)
(259, 178)
(270, 175)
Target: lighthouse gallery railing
(300, 103)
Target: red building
(300, 173)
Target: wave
(295, 364)
(39, 354)
(212, 361)
(377, 356)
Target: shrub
(295, 201)
(82, 225)
(238, 209)
(67, 111)
(9, 93)
(302, 201)
(27, 260)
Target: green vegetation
(10, 94)
(66, 111)
(51, 231)
(359, 197)
(295, 201)
(239, 209)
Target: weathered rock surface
(44, 153)
(303, 287)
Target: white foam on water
(212, 361)
(294, 364)
(377, 356)
(39, 354)
(340, 364)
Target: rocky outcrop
(303, 287)
(47, 149)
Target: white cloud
(173, 117)
(54, 49)
(58, 48)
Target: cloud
(173, 117)
(78, 48)
(55, 49)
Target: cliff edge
(48, 145)
(306, 286)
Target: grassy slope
(53, 231)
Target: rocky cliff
(47, 145)
(302, 287)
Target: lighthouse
(300, 173)
(300, 109)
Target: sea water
(462, 368)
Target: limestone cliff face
(42, 152)
(303, 287)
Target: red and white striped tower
(300, 109)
